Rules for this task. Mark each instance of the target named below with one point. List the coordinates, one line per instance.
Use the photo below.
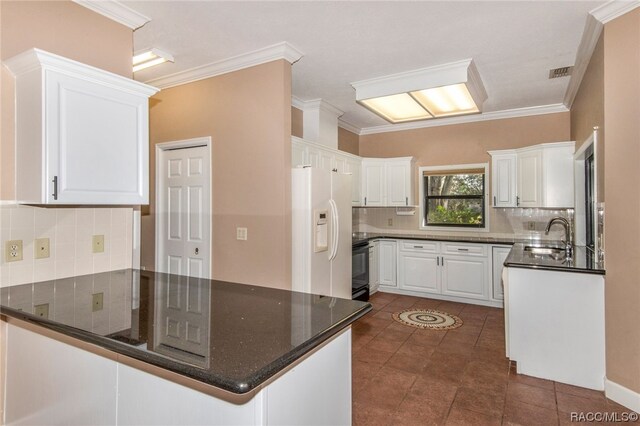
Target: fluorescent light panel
(440, 91)
(149, 58)
(397, 108)
(444, 101)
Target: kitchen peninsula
(136, 347)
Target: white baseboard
(622, 395)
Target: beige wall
(348, 141)
(622, 173)
(587, 110)
(296, 122)
(63, 28)
(466, 143)
(247, 113)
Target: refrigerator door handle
(334, 230)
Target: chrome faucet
(568, 236)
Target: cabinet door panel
(418, 272)
(353, 167)
(398, 184)
(387, 263)
(94, 137)
(504, 180)
(465, 277)
(373, 183)
(499, 256)
(530, 179)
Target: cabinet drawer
(464, 249)
(421, 246)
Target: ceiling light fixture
(434, 92)
(150, 57)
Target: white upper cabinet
(305, 153)
(373, 182)
(82, 133)
(387, 181)
(503, 179)
(535, 176)
(529, 179)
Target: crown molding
(277, 51)
(349, 127)
(485, 116)
(116, 11)
(613, 9)
(592, 30)
(320, 104)
(297, 103)
(37, 59)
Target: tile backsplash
(70, 232)
(512, 223)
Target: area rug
(423, 318)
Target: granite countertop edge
(238, 387)
(512, 261)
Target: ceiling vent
(560, 72)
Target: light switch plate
(97, 302)
(13, 250)
(41, 310)
(41, 248)
(241, 234)
(98, 243)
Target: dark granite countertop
(582, 261)
(359, 237)
(231, 336)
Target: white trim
(185, 143)
(320, 104)
(349, 127)
(590, 36)
(34, 59)
(116, 11)
(271, 53)
(622, 395)
(485, 116)
(297, 103)
(487, 210)
(613, 9)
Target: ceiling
(513, 43)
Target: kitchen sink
(551, 251)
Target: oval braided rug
(427, 318)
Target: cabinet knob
(365, 201)
(517, 200)
(406, 201)
(494, 201)
(197, 250)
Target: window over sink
(454, 197)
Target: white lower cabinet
(499, 255)
(374, 270)
(442, 270)
(419, 271)
(387, 261)
(465, 276)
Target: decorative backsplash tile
(70, 232)
(514, 222)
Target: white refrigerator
(321, 232)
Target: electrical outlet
(390, 222)
(531, 225)
(41, 310)
(13, 250)
(96, 302)
(98, 243)
(241, 234)
(41, 248)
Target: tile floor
(408, 376)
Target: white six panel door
(183, 207)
